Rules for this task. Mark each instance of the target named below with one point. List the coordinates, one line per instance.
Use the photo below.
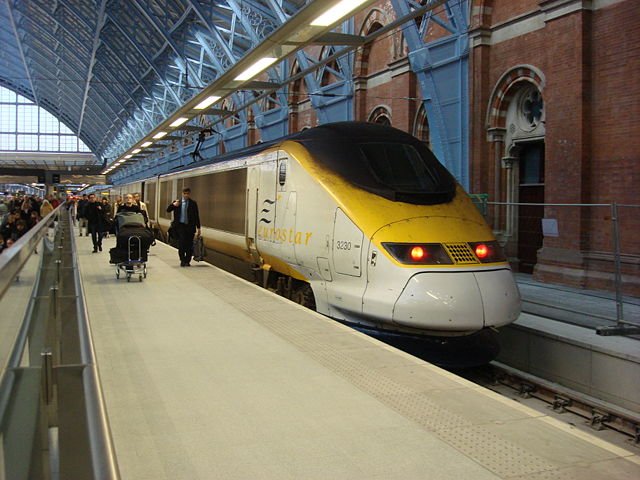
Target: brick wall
(588, 59)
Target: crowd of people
(95, 218)
(20, 214)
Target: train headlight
(488, 252)
(418, 254)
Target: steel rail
(105, 465)
(599, 413)
(13, 259)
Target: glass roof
(112, 70)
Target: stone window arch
(421, 128)
(506, 88)
(380, 115)
(375, 20)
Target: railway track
(596, 414)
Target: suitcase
(118, 255)
(146, 237)
(126, 219)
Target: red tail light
(417, 253)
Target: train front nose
(460, 301)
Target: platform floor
(206, 376)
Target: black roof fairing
(348, 148)
(345, 148)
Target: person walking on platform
(186, 223)
(106, 210)
(116, 205)
(97, 222)
(81, 215)
(140, 203)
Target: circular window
(531, 108)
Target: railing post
(47, 375)
(616, 260)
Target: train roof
(330, 131)
(352, 150)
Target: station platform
(208, 376)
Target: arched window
(421, 126)
(28, 128)
(381, 116)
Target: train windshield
(399, 166)
(381, 160)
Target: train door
(266, 206)
(345, 293)
(285, 234)
(347, 246)
(253, 176)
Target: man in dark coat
(186, 222)
(97, 222)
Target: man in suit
(186, 221)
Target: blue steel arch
(442, 69)
(114, 69)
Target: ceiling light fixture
(126, 156)
(256, 68)
(179, 121)
(146, 144)
(135, 151)
(206, 102)
(336, 12)
(159, 135)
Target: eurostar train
(357, 220)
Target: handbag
(199, 252)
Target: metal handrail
(103, 459)
(105, 465)
(13, 259)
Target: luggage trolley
(132, 266)
(136, 239)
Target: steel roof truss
(20, 47)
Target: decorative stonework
(381, 115)
(504, 92)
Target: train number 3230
(343, 245)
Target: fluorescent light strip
(336, 12)
(206, 102)
(135, 151)
(179, 121)
(146, 144)
(126, 156)
(256, 68)
(159, 135)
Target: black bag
(126, 219)
(199, 252)
(172, 237)
(144, 233)
(118, 255)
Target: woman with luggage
(130, 206)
